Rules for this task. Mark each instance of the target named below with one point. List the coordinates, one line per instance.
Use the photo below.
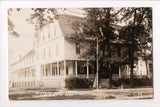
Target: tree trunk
(131, 74)
(147, 68)
(110, 76)
(132, 63)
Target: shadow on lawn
(63, 97)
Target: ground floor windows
(26, 73)
(25, 84)
(54, 70)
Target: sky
(23, 44)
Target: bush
(143, 82)
(74, 82)
(137, 82)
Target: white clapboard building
(54, 58)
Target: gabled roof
(66, 24)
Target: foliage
(42, 16)
(11, 27)
(137, 30)
(137, 82)
(99, 23)
(73, 83)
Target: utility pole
(97, 63)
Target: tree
(99, 23)
(137, 31)
(11, 27)
(42, 17)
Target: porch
(67, 68)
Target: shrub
(137, 82)
(74, 82)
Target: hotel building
(54, 58)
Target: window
(115, 69)
(46, 71)
(59, 71)
(32, 59)
(33, 83)
(150, 67)
(25, 73)
(25, 84)
(49, 35)
(54, 70)
(33, 73)
(54, 30)
(67, 70)
(49, 51)
(37, 56)
(109, 54)
(22, 84)
(77, 48)
(43, 53)
(28, 84)
(124, 54)
(43, 37)
(130, 52)
(57, 50)
(43, 72)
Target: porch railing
(90, 76)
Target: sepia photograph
(80, 53)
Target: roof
(30, 53)
(66, 24)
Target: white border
(41, 4)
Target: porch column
(119, 71)
(148, 70)
(128, 72)
(44, 72)
(51, 69)
(87, 70)
(57, 68)
(76, 67)
(64, 68)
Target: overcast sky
(23, 44)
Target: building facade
(23, 72)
